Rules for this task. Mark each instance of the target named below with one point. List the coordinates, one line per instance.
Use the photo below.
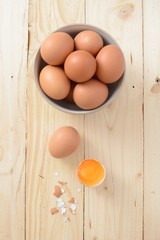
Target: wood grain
(151, 120)
(45, 17)
(115, 135)
(13, 65)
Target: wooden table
(124, 136)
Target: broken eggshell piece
(58, 191)
(54, 211)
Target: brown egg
(54, 82)
(88, 40)
(64, 142)
(110, 64)
(80, 66)
(90, 94)
(56, 47)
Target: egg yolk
(91, 172)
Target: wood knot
(139, 175)
(157, 80)
(126, 11)
(95, 238)
(153, 192)
(90, 224)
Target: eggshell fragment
(66, 219)
(88, 40)
(62, 190)
(62, 183)
(54, 210)
(79, 190)
(60, 203)
(64, 142)
(110, 64)
(54, 82)
(63, 210)
(73, 206)
(56, 47)
(56, 174)
(72, 200)
(90, 94)
(57, 191)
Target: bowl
(67, 106)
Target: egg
(110, 64)
(54, 82)
(56, 47)
(91, 172)
(80, 66)
(88, 40)
(90, 94)
(64, 142)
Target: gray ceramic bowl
(64, 105)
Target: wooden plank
(13, 65)
(115, 134)
(151, 119)
(45, 17)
